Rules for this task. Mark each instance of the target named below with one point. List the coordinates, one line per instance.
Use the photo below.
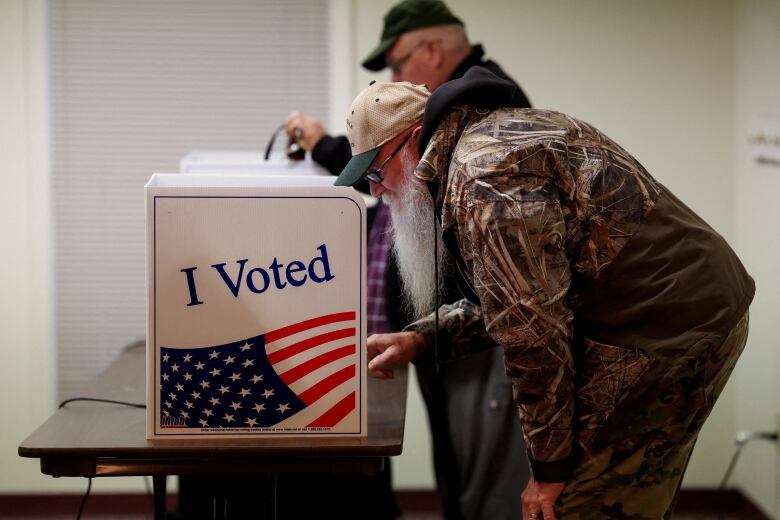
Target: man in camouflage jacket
(621, 313)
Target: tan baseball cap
(378, 114)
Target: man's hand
(539, 499)
(386, 352)
(311, 130)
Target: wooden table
(87, 439)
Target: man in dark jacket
(620, 312)
(476, 436)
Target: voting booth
(256, 307)
(242, 161)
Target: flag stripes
(307, 367)
(323, 376)
(301, 346)
(283, 332)
(333, 416)
(326, 385)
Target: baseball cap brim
(356, 168)
(376, 60)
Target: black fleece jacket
(479, 87)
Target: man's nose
(376, 189)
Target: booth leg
(159, 482)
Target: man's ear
(437, 54)
(415, 138)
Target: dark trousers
(478, 448)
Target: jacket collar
(447, 112)
(433, 167)
(473, 59)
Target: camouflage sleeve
(461, 331)
(511, 235)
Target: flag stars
(221, 396)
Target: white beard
(412, 214)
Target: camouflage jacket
(590, 275)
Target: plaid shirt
(379, 242)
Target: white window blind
(136, 86)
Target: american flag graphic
(306, 369)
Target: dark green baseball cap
(404, 17)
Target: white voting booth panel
(237, 162)
(256, 307)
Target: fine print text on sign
(256, 308)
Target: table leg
(159, 483)
(268, 492)
(272, 492)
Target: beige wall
(675, 82)
(26, 350)
(757, 213)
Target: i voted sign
(256, 307)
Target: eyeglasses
(396, 65)
(375, 174)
